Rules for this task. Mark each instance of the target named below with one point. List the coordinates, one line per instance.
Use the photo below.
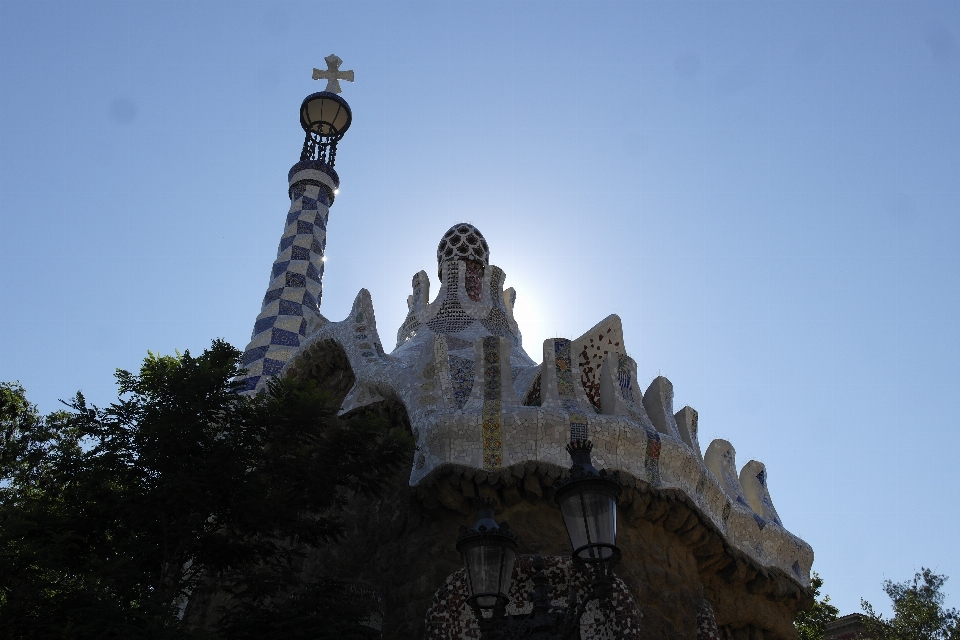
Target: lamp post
(588, 502)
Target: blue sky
(767, 193)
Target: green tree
(918, 612)
(811, 624)
(110, 519)
(325, 609)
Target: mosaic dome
(463, 242)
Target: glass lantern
(588, 502)
(489, 551)
(325, 114)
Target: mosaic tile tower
(291, 306)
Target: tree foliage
(918, 611)
(811, 624)
(110, 518)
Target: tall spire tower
(291, 306)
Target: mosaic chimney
(291, 306)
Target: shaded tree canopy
(918, 611)
(811, 624)
(110, 518)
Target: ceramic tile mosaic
(706, 622)
(463, 242)
(461, 378)
(562, 362)
(591, 350)
(651, 460)
(474, 280)
(623, 375)
(460, 372)
(498, 321)
(753, 480)
(589, 378)
(451, 317)
(532, 399)
(449, 617)
(491, 433)
(291, 304)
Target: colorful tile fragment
(565, 389)
(491, 417)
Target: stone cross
(333, 75)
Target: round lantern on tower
(324, 115)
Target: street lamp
(488, 551)
(325, 117)
(588, 502)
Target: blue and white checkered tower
(292, 304)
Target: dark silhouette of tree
(111, 518)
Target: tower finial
(333, 75)
(463, 241)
